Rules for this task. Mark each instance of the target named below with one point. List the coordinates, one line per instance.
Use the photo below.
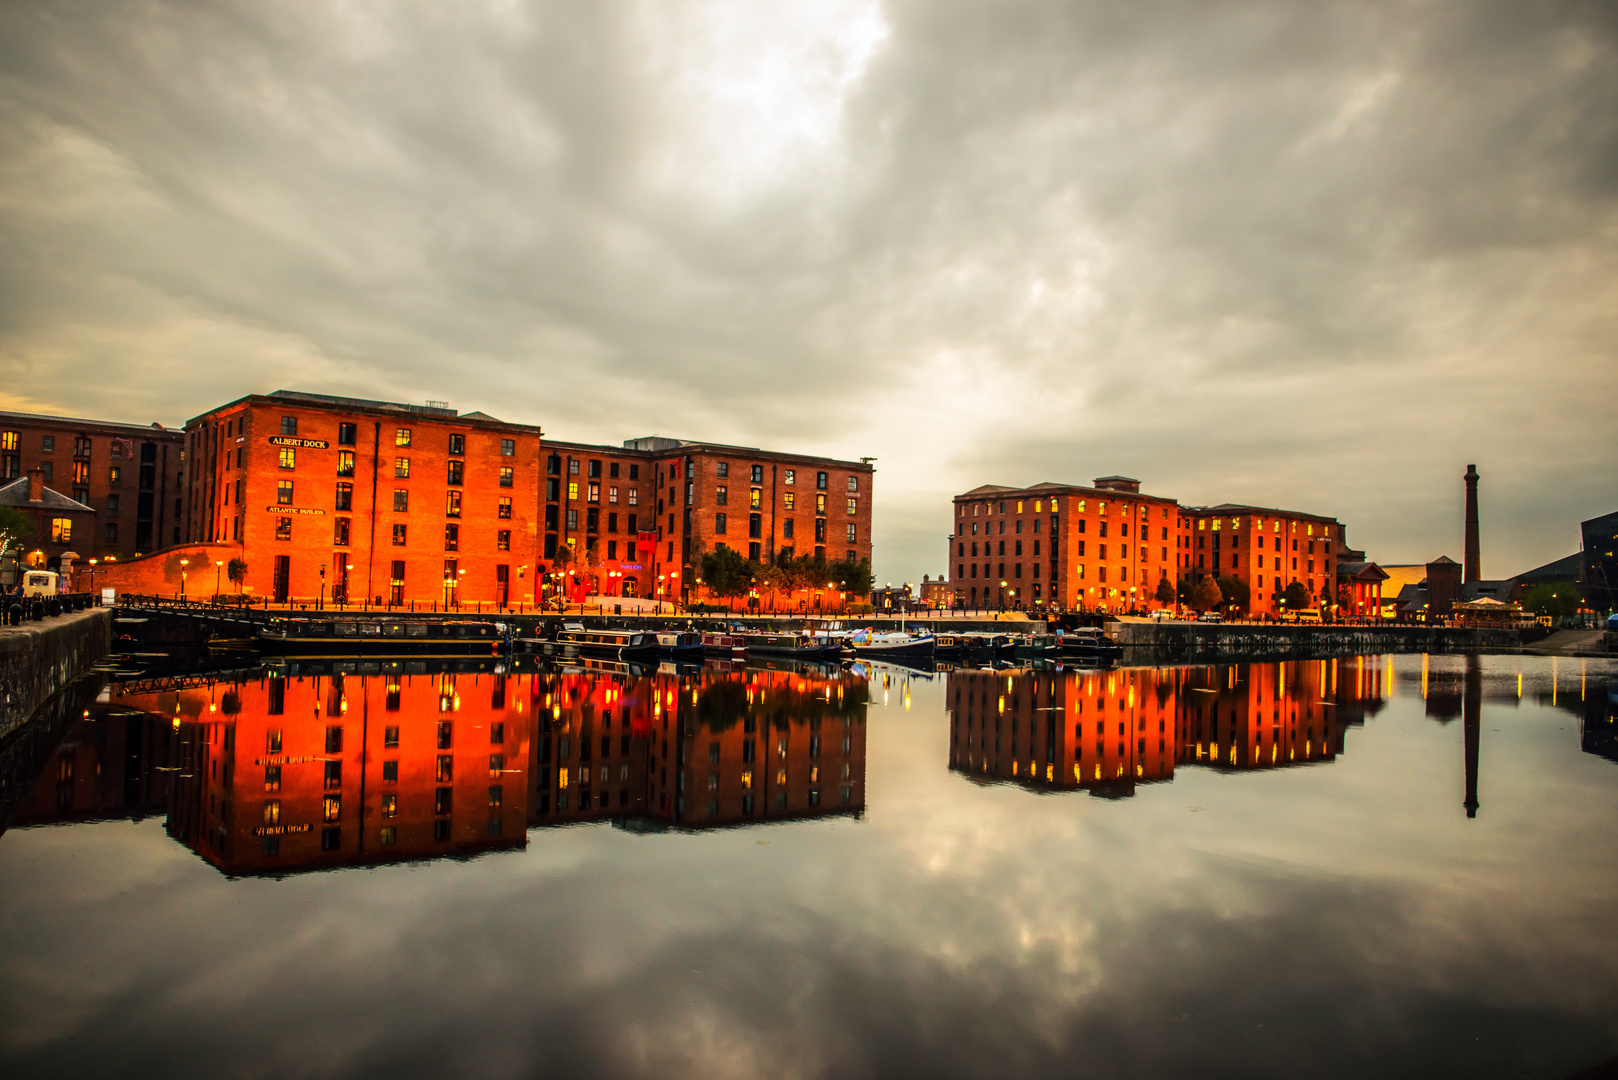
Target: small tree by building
(1235, 594)
(1205, 594)
(16, 528)
(1297, 597)
(236, 571)
(1165, 592)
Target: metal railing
(16, 610)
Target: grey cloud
(1296, 250)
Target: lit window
(457, 470)
(572, 489)
(61, 530)
(502, 540)
(457, 444)
(755, 498)
(399, 535)
(401, 468)
(345, 463)
(634, 496)
(508, 447)
(789, 500)
(283, 493)
(507, 477)
(452, 504)
(401, 499)
(612, 495)
(283, 528)
(789, 476)
(401, 437)
(9, 440)
(853, 507)
(289, 458)
(505, 508)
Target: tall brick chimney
(36, 485)
(1473, 558)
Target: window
(595, 493)
(634, 471)
(61, 530)
(755, 498)
(789, 476)
(289, 425)
(507, 476)
(401, 500)
(345, 463)
(572, 490)
(553, 464)
(719, 524)
(722, 469)
(502, 540)
(347, 435)
(283, 528)
(48, 469)
(452, 504)
(758, 474)
(112, 532)
(820, 504)
(457, 444)
(789, 500)
(457, 470)
(283, 493)
(401, 468)
(853, 507)
(345, 496)
(572, 520)
(390, 801)
(595, 469)
(820, 481)
(853, 483)
(399, 535)
(573, 466)
(401, 436)
(508, 447)
(592, 520)
(504, 510)
(48, 444)
(81, 446)
(853, 533)
(634, 496)
(289, 458)
(754, 553)
(786, 529)
(452, 537)
(721, 495)
(755, 525)
(340, 532)
(331, 808)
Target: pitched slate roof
(16, 494)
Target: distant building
(1107, 547)
(1599, 569)
(59, 523)
(130, 476)
(935, 592)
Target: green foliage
(16, 527)
(1235, 592)
(236, 571)
(853, 576)
(1557, 598)
(1297, 596)
(1205, 594)
(1165, 592)
(726, 573)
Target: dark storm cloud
(1314, 255)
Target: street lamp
(1002, 596)
(183, 564)
(218, 568)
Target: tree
(1297, 597)
(853, 577)
(726, 573)
(16, 528)
(1165, 592)
(1205, 594)
(1235, 593)
(1556, 599)
(236, 571)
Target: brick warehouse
(130, 475)
(1106, 547)
(697, 497)
(367, 500)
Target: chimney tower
(1474, 559)
(36, 485)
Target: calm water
(1364, 867)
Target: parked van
(1306, 615)
(39, 583)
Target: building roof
(16, 494)
(1049, 486)
(1366, 571)
(1248, 508)
(656, 445)
(434, 410)
(1489, 590)
(144, 430)
(1443, 560)
(1564, 569)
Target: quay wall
(1184, 641)
(38, 659)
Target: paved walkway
(1569, 643)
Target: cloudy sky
(1319, 256)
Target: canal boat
(1087, 644)
(980, 646)
(620, 644)
(1036, 647)
(680, 645)
(724, 646)
(951, 647)
(305, 635)
(792, 643)
(894, 645)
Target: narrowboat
(896, 645)
(380, 636)
(680, 645)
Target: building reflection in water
(319, 767)
(1106, 731)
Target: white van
(39, 583)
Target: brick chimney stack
(1473, 559)
(36, 485)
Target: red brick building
(1108, 547)
(58, 524)
(693, 498)
(130, 475)
(367, 500)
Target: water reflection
(271, 772)
(1106, 732)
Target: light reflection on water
(1284, 875)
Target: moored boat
(681, 645)
(896, 645)
(796, 644)
(619, 644)
(724, 646)
(373, 635)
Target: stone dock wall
(39, 659)
(1196, 642)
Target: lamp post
(1002, 597)
(183, 564)
(218, 568)
(322, 601)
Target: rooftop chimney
(1473, 558)
(1118, 483)
(36, 485)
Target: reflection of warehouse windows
(389, 835)
(331, 808)
(272, 812)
